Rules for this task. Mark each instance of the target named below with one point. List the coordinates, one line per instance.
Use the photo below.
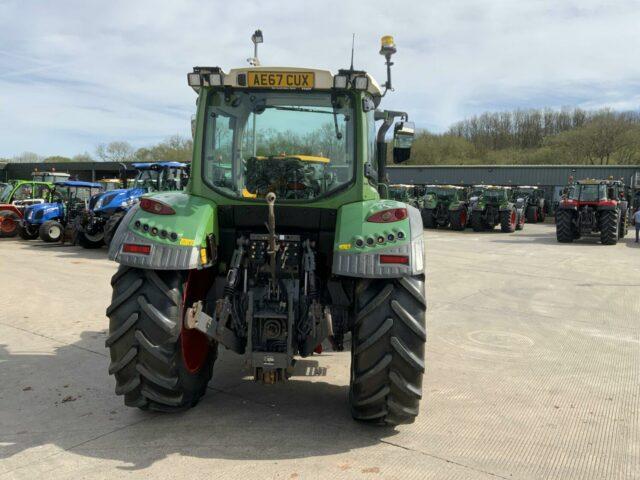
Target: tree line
(535, 136)
(175, 148)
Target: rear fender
(358, 252)
(183, 241)
(8, 207)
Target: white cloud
(76, 73)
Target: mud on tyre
(387, 352)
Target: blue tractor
(100, 221)
(48, 220)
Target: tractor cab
(48, 220)
(161, 176)
(49, 176)
(109, 184)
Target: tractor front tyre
(111, 225)
(51, 231)
(387, 352)
(28, 233)
(564, 226)
(458, 219)
(532, 214)
(86, 242)
(157, 364)
(609, 227)
(427, 218)
(476, 222)
(9, 224)
(508, 220)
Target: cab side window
(23, 192)
(42, 191)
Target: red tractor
(593, 206)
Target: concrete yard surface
(533, 372)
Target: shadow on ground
(66, 400)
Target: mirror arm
(387, 117)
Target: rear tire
(564, 226)
(51, 231)
(609, 227)
(146, 342)
(532, 214)
(387, 352)
(458, 219)
(111, 225)
(624, 224)
(427, 218)
(9, 224)
(476, 222)
(85, 242)
(508, 220)
(28, 233)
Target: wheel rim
(463, 218)
(535, 216)
(513, 218)
(54, 232)
(7, 224)
(194, 345)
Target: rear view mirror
(403, 134)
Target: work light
(340, 81)
(194, 80)
(361, 83)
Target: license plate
(286, 80)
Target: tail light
(395, 259)
(135, 248)
(388, 216)
(154, 206)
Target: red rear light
(154, 206)
(388, 216)
(397, 259)
(135, 248)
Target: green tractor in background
(533, 198)
(444, 205)
(280, 243)
(495, 205)
(403, 193)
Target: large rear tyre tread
(609, 227)
(145, 324)
(9, 224)
(84, 242)
(508, 220)
(458, 219)
(111, 225)
(564, 226)
(387, 354)
(476, 222)
(27, 233)
(532, 214)
(427, 218)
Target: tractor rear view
(282, 241)
(534, 202)
(593, 207)
(443, 206)
(494, 205)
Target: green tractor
(404, 193)
(495, 205)
(533, 198)
(444, 205)
(280, 245)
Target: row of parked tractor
(54, 208)
(587, 207)
(481, 207)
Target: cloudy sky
(76, 73)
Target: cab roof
(323, 78)
(77, 183)
(152, 165)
